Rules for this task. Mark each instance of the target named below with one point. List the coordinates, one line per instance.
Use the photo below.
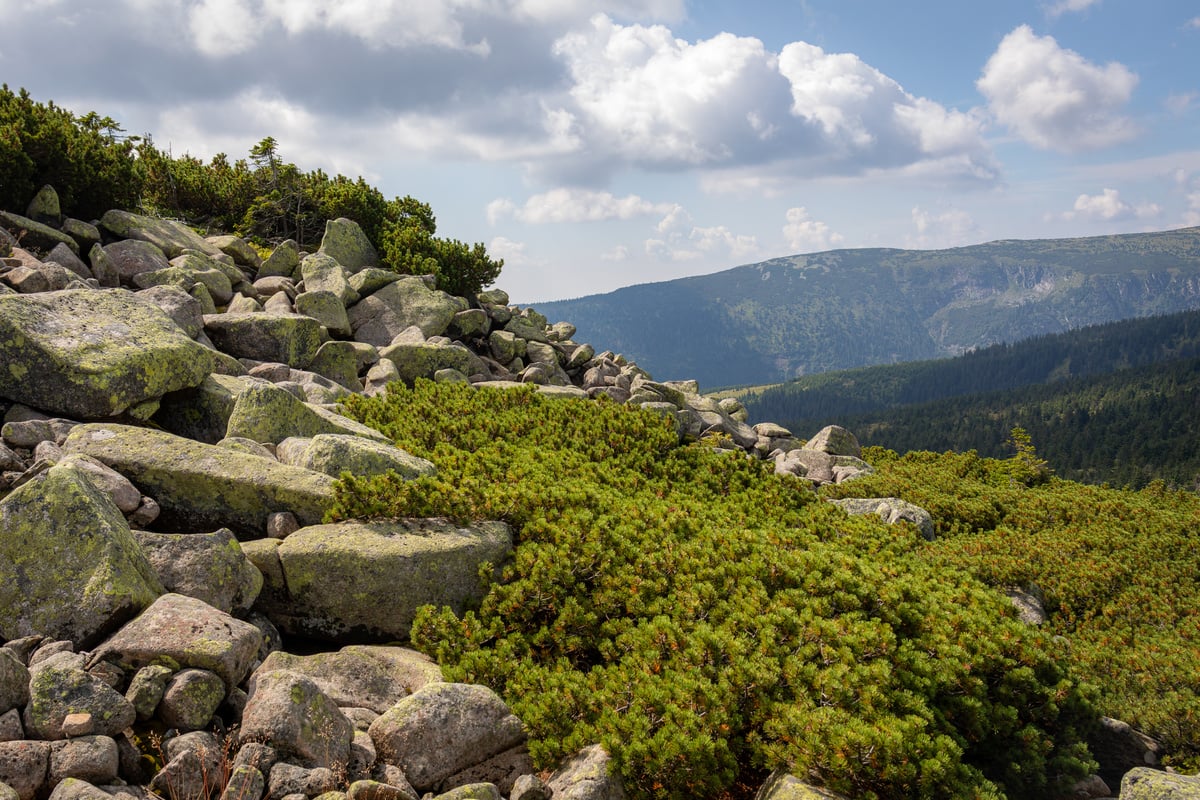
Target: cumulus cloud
(1054, 98)
(640, 96)
(1108, 207)
(512, 252)
(806, 234)
(1063, 6)
(680, 239)
(950, 228)
(575, 205)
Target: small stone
(282, 524)
(78, 725)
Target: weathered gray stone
(891, 510)
(24, 766)
(85, 234)
(88, 758)
(238, 249)
(374, 677)
(69, 565)
(283, 262)
(526, 328)
(61, 254)
(58, 690)
(14, 681)
(375, 790)
(190, 699)
(189, 631)
(1119, 748)
(202, 487)
(290, 339)
(1141, 783)
(181, 777)
(245, 783)
(88, 354)
(32, 233)
(76, 789)
(782, 786)
(146, 689)
(342, 362)
(181, 307)
(473, 791)
(324, 274)
(202, 413)
(325, 308)
(268, 413)
(368, 579)
(345, 243)
(132, 257)
(289, 712)
(334, 454)
(170, 236)
(378, 318)
(443, 729)
(587, 775)
(371, 279)
(45, 207)
(423, 360)
(501, 770)
(836, 441)
(207, 566)
(292, 781)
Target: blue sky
(595, 145)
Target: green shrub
(707, 620)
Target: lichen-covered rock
(170, 236)
(1142, 783)
(325, 308)
(61, 254)
(59, 689)
(207, 566)
(245, 783)
(891, 510)
(189, 631)
(87, 354)
(69, 565)
(424, 359)
(190, 699)
(323, 274)
(110, 482)
(202, 412)
(836, 441)
(24, 766)
(342, 362)
(376, 790)
(181, 307)
(782, 786)
(290, 339)
(362, 676)
(201, 487)
(472, 791)
(265, 412)
(146, 689)
(334, 454)
(238, 249)
(283, 261)
(35, 234)
(14, 682)
(345, 243)
(371, 279)
(443, 729)
(377, 319)
(368, 579)
(289, 712)
(45, 206)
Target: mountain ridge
(795, 315)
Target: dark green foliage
(802, 315)
(83, 158)
(407, 245)
(705, 619)
(1118, 570)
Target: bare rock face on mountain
(92, 354)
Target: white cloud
(617, 254)
(1053, 97)
(512, 252)
(382, 23)
(680, 239)
(1063, 6)
(222, 27)
(1192, 215)
(640, 96)
(1180, 102)
(575, 205)
(1108, 207)
(950, 228)
(804, 234)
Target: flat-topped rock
(170, 236)
(362, 676)
(92, 354)
(201, 487)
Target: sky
(594, 144)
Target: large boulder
(238, 249)
(69, 565)
(35, 234)
(443, 729)
(424, 359)
(782, 786)
(59, 689)
(345, 243)
(24, 766)
(1119, 747)
(388, 312)
(290, 339)
(189, 631)
(324, 274)
(266, 413)
(836, 441)
(587, 775)
(891, 510)
(289, 712)
(170, 236)
(334, 454)
(207, 566)
(93, 354)
(132, 257)
(202, 487)
(362, 676)
(353, 580)
(1142, 783)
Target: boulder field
(170, 441)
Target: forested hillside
(801, 315)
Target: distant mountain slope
(810, 402)
(846, 308)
